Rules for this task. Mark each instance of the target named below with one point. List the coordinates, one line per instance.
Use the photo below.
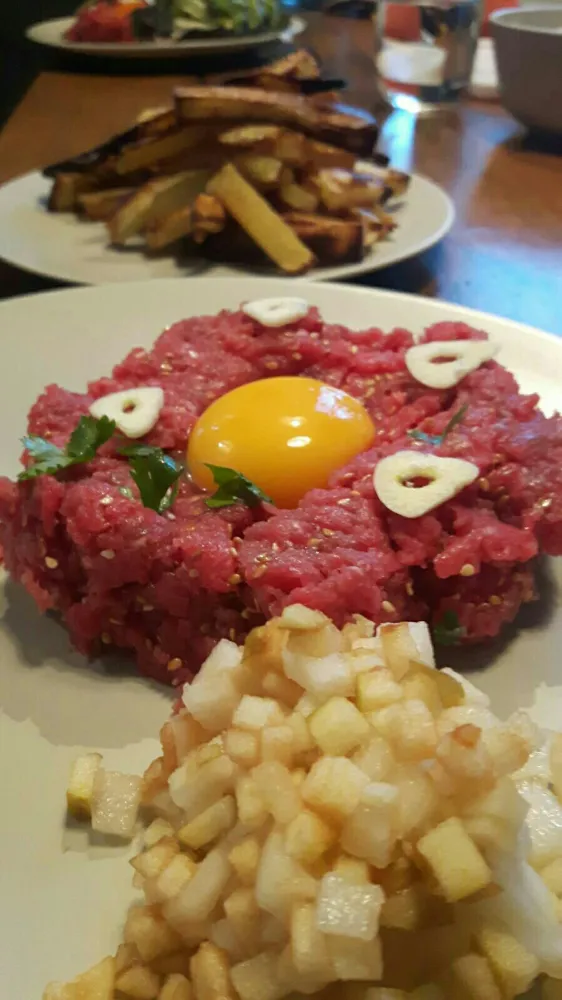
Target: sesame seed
(245, 614)
(275, 547)
(495, 600)
(193, 573)
(233, 551)
(272, 365)
(484, 484)
(235, 579)
(105, 638)
(105, 501)
(175, 663)
(171, 517)
(259, 572)
(355, 493)
(51, 563)
(410, 588)
(354, 349)
(262, 557)
(545, 503)
(328, 532)
(468, 570)
(107, 553)
(297, 356)
(313, 541)
(344, 502)
(165, 368)
(388, 606)
(193, 354)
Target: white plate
(64, 247)
(64, 897)
(52, 33)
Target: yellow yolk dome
(287, 435)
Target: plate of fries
(270, 173)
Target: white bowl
(529, 56)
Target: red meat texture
(166, 587)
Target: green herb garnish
(85, 440)
(448, 631)
(233, 486)
(437, 439)
(156, 475)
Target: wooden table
(504, 254)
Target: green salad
(231, 16)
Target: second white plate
(63, 247)
(52, 33)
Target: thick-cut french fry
(151, 151)
(333, 241)
(292, 148)
(101, 205)
(298, 198)
(341, 190)
(321, 154)
(263, 171)
(373, 232)
(351, 128)
(396, 182)
(93, 158)
(155, 200)
(67, 189)
(209, 216)
(290, 69)
(377, 215)
(260, 221)
(170, 228)
(250, 135)
(300, 65)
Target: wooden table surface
(504, 254)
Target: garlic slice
(135, 411)
(466, 356)
(447, 477)
(276, 312)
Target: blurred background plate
(52, 33)
(61, 246)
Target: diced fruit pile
(331, 813)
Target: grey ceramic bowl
(529, 56)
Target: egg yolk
(287, 435)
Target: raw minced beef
(165, 588)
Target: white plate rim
(283, 286)
(51, 34)
(70, 898)
(424, 195)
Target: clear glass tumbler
(425, 50)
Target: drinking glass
(425, 50)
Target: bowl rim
(503, 18)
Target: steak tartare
(166, 586)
